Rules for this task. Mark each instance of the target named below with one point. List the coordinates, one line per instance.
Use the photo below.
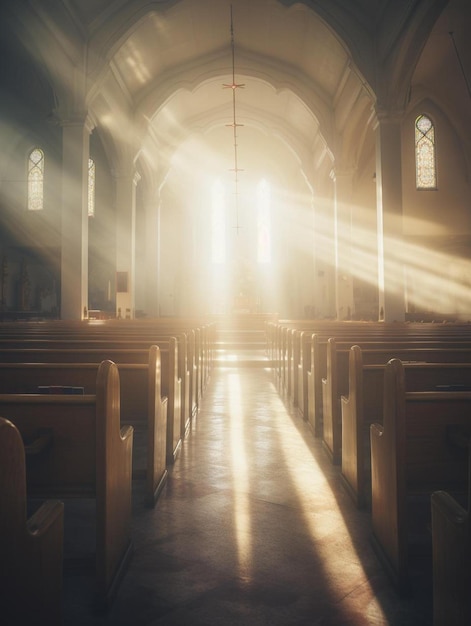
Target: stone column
(389, 217)
(324, 253)
(74, 227)
(344, 303)
(126, 182)
(153, 252)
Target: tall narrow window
(218, 224)
(263, 222)
(36, 180)
(91, 187)
(425, 158)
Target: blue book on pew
(453, 387)
(61, 389)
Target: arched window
(91, 187)
(36, 180)
(218, 223)
(263, 222)
(425, 157)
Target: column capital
(387, 116)
(342, 172)
(76, 118)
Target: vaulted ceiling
(151, 74)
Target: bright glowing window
(425, 158)
(91, 187)
(263, 222)
(218, 223)
(36, 180)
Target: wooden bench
(363, 405)
(170, 381)
(86, 340)
(199, 333)
(90, 456)
(31, 549)
(314, 366)
(413, 455)
(290, 347)
(142, 405)
(335, 384)
(451, 544)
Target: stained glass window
(218, 224)
(36, 180)
(263, 222)
(91, 187)
(425, 158)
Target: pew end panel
(362, 406)
(331, 408)
(305, 369)
(173, 390)
(157, 430)
(388, 479)
(113, 485)
(32, 549)
(353, 463)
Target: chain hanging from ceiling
(234, 125)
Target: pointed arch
(91, 187)
(36, 180)
(425, 154)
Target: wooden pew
(142, 405)
(291, 342)
(363, 405)
(90, 456)
(150, 330)
(451, 542)
(171, 383)
(335, 384)
(84, 339)
(31, 549)
(412, 455)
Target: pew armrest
(126, 432)
(48, 515)
(39, 444)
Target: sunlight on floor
(241, 478)
(312, 493)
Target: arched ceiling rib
(173, 63)
(307, 63)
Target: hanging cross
(234, 86)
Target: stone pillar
(74, 227)
(126, 182)
(153, 253)
(324, 254)
(344, 302)
(389, 217)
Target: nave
(253, 527)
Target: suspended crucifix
(234, 86)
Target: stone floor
(253, 527)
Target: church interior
(209, 195)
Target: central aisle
(254, 526)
